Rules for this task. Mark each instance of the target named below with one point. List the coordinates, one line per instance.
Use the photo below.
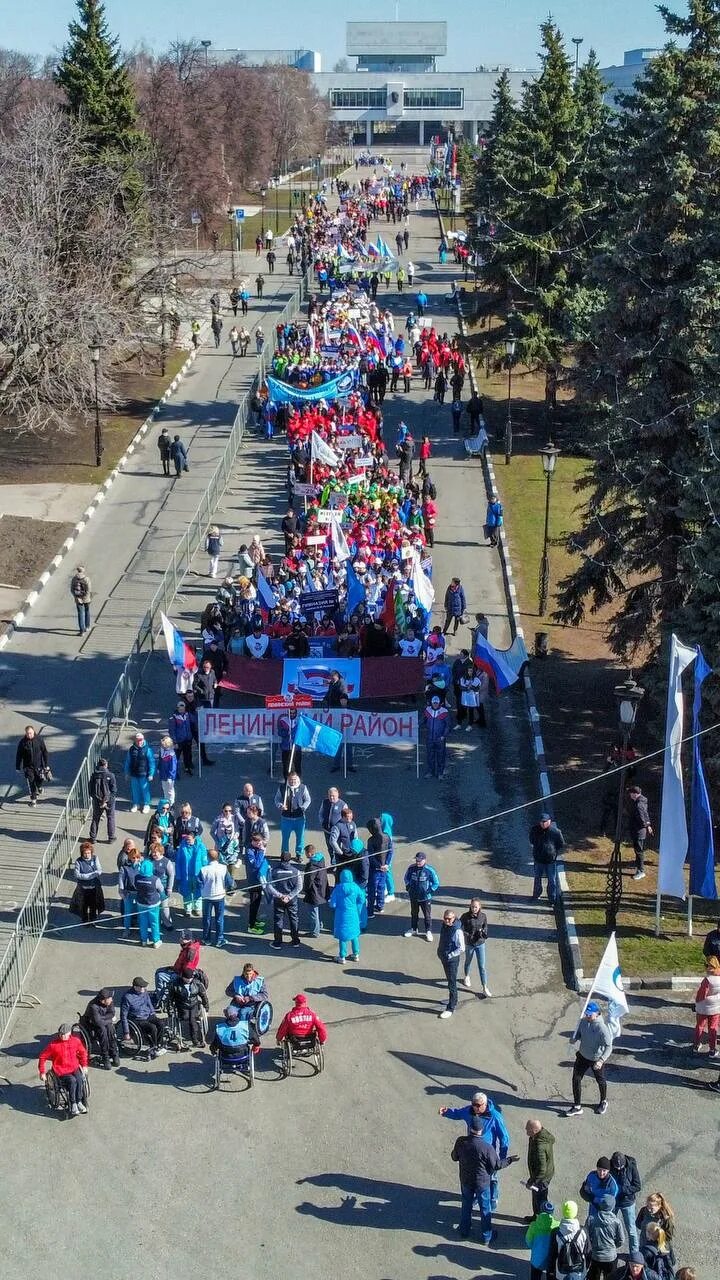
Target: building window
(434, 99)
(358, 98)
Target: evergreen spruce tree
(489, 187)
(100, 93)
(650, 540)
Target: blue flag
(355, 591)
(265, 595)
(701, 847)
(310, 735)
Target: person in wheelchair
(248, 991)
(301, 1024)
(189, 957)
(67, 1056)
(137, 1004)
(98, 1022)
(234, 1037)
(188, 995)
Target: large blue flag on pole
(310, 735)
(701, 846)
(355, 591)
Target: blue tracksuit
(493, 1132)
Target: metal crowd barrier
(32, 918)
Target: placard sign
(349, 442)
(254, 725)
(326, 515)
(319, 601)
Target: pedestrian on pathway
(410, 268)
(400, 277)
(407, 373)
(547, 843)
(329, 814)
(258, 246)
(656, 1209)
(259, 340)
(569, 1246)
(167, 768)
(244, 300)
(257, 870)
(149, 893)
(451, 946)
(180, 729)
(88, 900)
(195, 333)
(638, 818)
(214, 881)
(595, 1040)
(191, 855)
(421, 301)
(31, 758)
(315, 888)
(103, 791)
(475, 928)
(425, 454)
(456, 409)
(259, 284)
(479, 1164)
(658, 1253)
(164, 445)
(540, 1163)
(406, 239)
(81, 592)
(474, 690)
(140, 769)
(213, 547)
(455, 605)
(284, 888)
(421, 883)
(440, 388)
(234, 299)
(474, 409)
(292, 800)
(537, 1237)
(243, 340)
(234, 338)
(347, 901)
(636, 1268)
(494, 519)
(598, 1183)
(179, 455)
(216, 325)
(707, 1008)
(625, 1172)
(437, 726)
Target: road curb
(568, 927)
(32, 597)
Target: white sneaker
(133, 808)
(145, 808)
(410, 933)
(390, 897)
(82, 1108)
(639, 875)
(446, 1013)
(487, 992)
(157, 944)
(429, 936)
(73, 1109)
(159, 1052)
(467, 981)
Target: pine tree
(498, 143)
(649, 539)
(539, 214)
(98, 88)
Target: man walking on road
(421, 882)
(595, 1041)
(540, 1163)
(103, 791)
(178, 453)
(546, 841)
(284, 887)
(639, 825)
(81, 592)
(164, 443)
(32, 758)
(454, 605)
(216, 325)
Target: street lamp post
(628, 696)
(509, 356)
(577, 41)
(95, 349)
(206, 45)
(549, 457)
(263, 193)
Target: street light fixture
(206, 45)
(510, 344)
(549, 456)
(95, 348)
(577, 41)
(628, 697)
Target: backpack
(101, 788)
(570, 1255)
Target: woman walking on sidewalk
(451, 945)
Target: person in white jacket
(214, 882)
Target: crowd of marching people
(372, 559)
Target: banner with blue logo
(312, 676)
(287, 393)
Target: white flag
(341, 550)
(673, 822)
(422, 586)
(321, 452)
(608, 979)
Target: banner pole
(201, 743)
(344, 756)
(658, 900)
(271, 757)
(690, 916)
(417, 757)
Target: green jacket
(541, 1165)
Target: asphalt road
(349, 1172)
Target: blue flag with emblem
(310, 735)
(356, 595)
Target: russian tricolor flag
(179, 651)
(493, 662)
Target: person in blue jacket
(347, 900)
(437, 727)
(149, 893)
(232, 1036)
(599, 1183)
(421, 882)
(257, 869)
(180, 729)
(191, 854)
(493, 1128)
(140, 769)
(455, 604)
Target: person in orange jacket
(67, 1056)
(301, 1022)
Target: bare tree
(65, 251)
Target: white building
(396, 95)
(621, 79)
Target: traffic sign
(239, 215)
(195, 218)
(287, 701)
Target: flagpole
(690, 916)
(658, 901)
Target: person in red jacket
(300, 1022)
(67, 1056)
(189, 957)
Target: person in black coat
(103, 792)
(478, 1165)
(638, 818)
(336, 691)
(32, 759)
(547, 843)
(99, 1021)
(188, 996)
(315, 888)
(178, 453)
(711, 945)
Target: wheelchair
(241, 1064)
(89, 1038)
(57, 1094)
(307, 1049)
(173, 1029)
